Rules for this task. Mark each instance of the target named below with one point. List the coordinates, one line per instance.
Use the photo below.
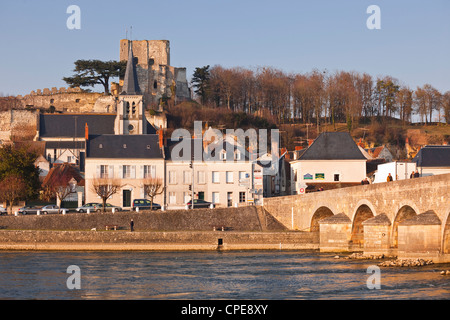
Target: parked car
(29, 210)
(92, 206)
(201, 204)
(145, 204)
(108, 207)
(3, 210)
(52, 209)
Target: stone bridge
(406, 218)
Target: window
(215, 177)
(172, 177)
(215, 197)
(201, 177)
(237, 155)
(155, 84)
(242, 175)
(103, 171)
(187, 177)
(223, 155)
(186, 197)
(242, 196)
(172, 198)
(229, 199)
(126, 172)
(336, 177)
(229, 177)
(149, 171)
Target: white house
(432, 160)
(220, 173)
(333, 158)
(127, 158)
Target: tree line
(318, 96)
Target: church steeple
(130, 83)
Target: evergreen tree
(200, 81)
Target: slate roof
(130, 82)
(206, 155)
(72, 125)
(333, 146)
(124, 146)
(64, 144)
(433, 156)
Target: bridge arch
(320, 213)
(405, 212)
(363, 212)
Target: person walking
(416, 174)
(389, 177)
(131, 225)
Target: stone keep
(157, 79)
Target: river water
(211, 275)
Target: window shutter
(111, 172)
(121, 171)
(133, 172)
(98, 172)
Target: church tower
(130, 117)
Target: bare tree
(405, 101)
(446, 106)
(153, 187)
(12, 188)
(105, 188)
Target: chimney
(161, 138)
(86, 131)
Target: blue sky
(413, 45)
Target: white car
(3, 210)
(52, 209)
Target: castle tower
(130, 117)
(157, 78)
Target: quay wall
(172, 240)
(249, 218)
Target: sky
(37, 49)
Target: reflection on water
(211, 275)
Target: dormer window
(124, 146)
(100, 146)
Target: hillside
(403, 140)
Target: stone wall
(63, 99)
(236, 219)
(174, 240)
(18, 124)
